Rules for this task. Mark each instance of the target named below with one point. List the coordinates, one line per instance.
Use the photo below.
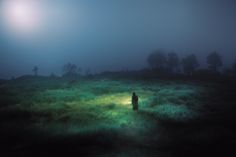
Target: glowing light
(21, 16)
(126, 101)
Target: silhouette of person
(135, 101)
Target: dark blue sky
(114, 34)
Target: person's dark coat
(135, 101)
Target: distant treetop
(214, 61)
(190, 63)
(157, 59)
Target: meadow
(94, 117)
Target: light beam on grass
(123, 99)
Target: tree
(157, 60)
(190, 63)
(70, 70)
(35, 70)
(172, 61)
(214, 61)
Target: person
(135, 101)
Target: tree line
(171, 62)
(161, 62)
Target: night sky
(110, 34)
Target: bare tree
(69, 70)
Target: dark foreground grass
(42, 116)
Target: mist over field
(111, 35)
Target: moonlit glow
(22, 16)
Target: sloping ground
(95, 117)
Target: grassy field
(94, 117)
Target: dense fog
(109, 34)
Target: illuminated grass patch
(93, 105)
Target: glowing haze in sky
(21, 16)
(110, 34)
